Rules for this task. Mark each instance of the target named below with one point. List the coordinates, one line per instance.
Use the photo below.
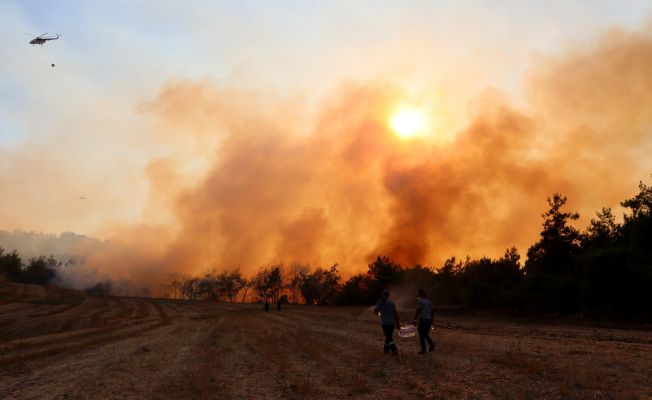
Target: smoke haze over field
(246, 177)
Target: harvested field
(61, 344)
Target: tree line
(274, 283)
(606, 268)
(39, 270)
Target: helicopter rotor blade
(43, 34)
(29, 34)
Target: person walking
(388, 320)
(423, 316)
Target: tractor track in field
(83, 327)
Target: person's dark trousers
(424, 334)
(388, 330)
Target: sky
(221, 134)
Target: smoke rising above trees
(258, 187)
(605, 269)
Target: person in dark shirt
(266, 306)
(423, 316)
(388, 320)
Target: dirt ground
(59, 344)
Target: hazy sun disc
(408, 122)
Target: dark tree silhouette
(637, 243)
(492, 283)
(268, 283)
(382, 273)
(11, 266)
(550, 267)
(353, 291)
(40, 270)
(603, 231)
(320, 286)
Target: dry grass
(67, 345)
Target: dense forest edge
(604, 270)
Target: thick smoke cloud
(349, 190)
(268, 184)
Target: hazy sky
(152, 104)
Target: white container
(407, 331)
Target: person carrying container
(423, 317)
(389, 320)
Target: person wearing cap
(423, 316)
(388, 320)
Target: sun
(408, 122)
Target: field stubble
(60, 344)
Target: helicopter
(40, 39)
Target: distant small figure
(388, 320)
(278, 305)
(266, 306)
(423, 316)
(52, 65)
